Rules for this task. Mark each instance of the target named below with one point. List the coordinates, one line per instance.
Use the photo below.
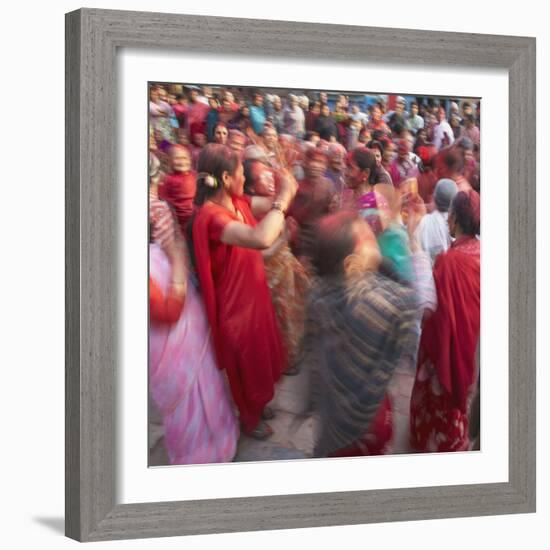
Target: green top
(394, 245)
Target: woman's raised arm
(261, 236)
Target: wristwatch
(278, 205)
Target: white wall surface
(32, 271)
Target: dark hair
(470, 118)
(214, 160)
(375, 144)
(398, 126)
(414, 103)
(334, 243)
(453, 160)
(218, 124)
(363, 158)
(466, 209)
(366, 160)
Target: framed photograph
(214, 380)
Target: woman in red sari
(227, 241)
(447, 371)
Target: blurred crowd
(296, 232)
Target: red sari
(446, 376)
(240, 311)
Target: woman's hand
(287, 186)
(416, 210)
(178, 289)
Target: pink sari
(187, 387)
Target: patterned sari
(289, 285)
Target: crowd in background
(311, 231)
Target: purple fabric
(185, 383)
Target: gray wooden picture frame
(92, 39)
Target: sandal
(268, 413)
(292, 371)
(262, 431)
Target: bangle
(278, 205)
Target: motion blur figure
(313, 200)
(286, 277)
(184, 381)
(358, 325)
(179, 186)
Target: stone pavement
(294, 428)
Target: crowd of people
(293, 232)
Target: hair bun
(208, 179)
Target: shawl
(355, 334)
(394, 245)
(450, 336)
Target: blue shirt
(257, 118)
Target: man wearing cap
(433, 230)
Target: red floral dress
(447, 372)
